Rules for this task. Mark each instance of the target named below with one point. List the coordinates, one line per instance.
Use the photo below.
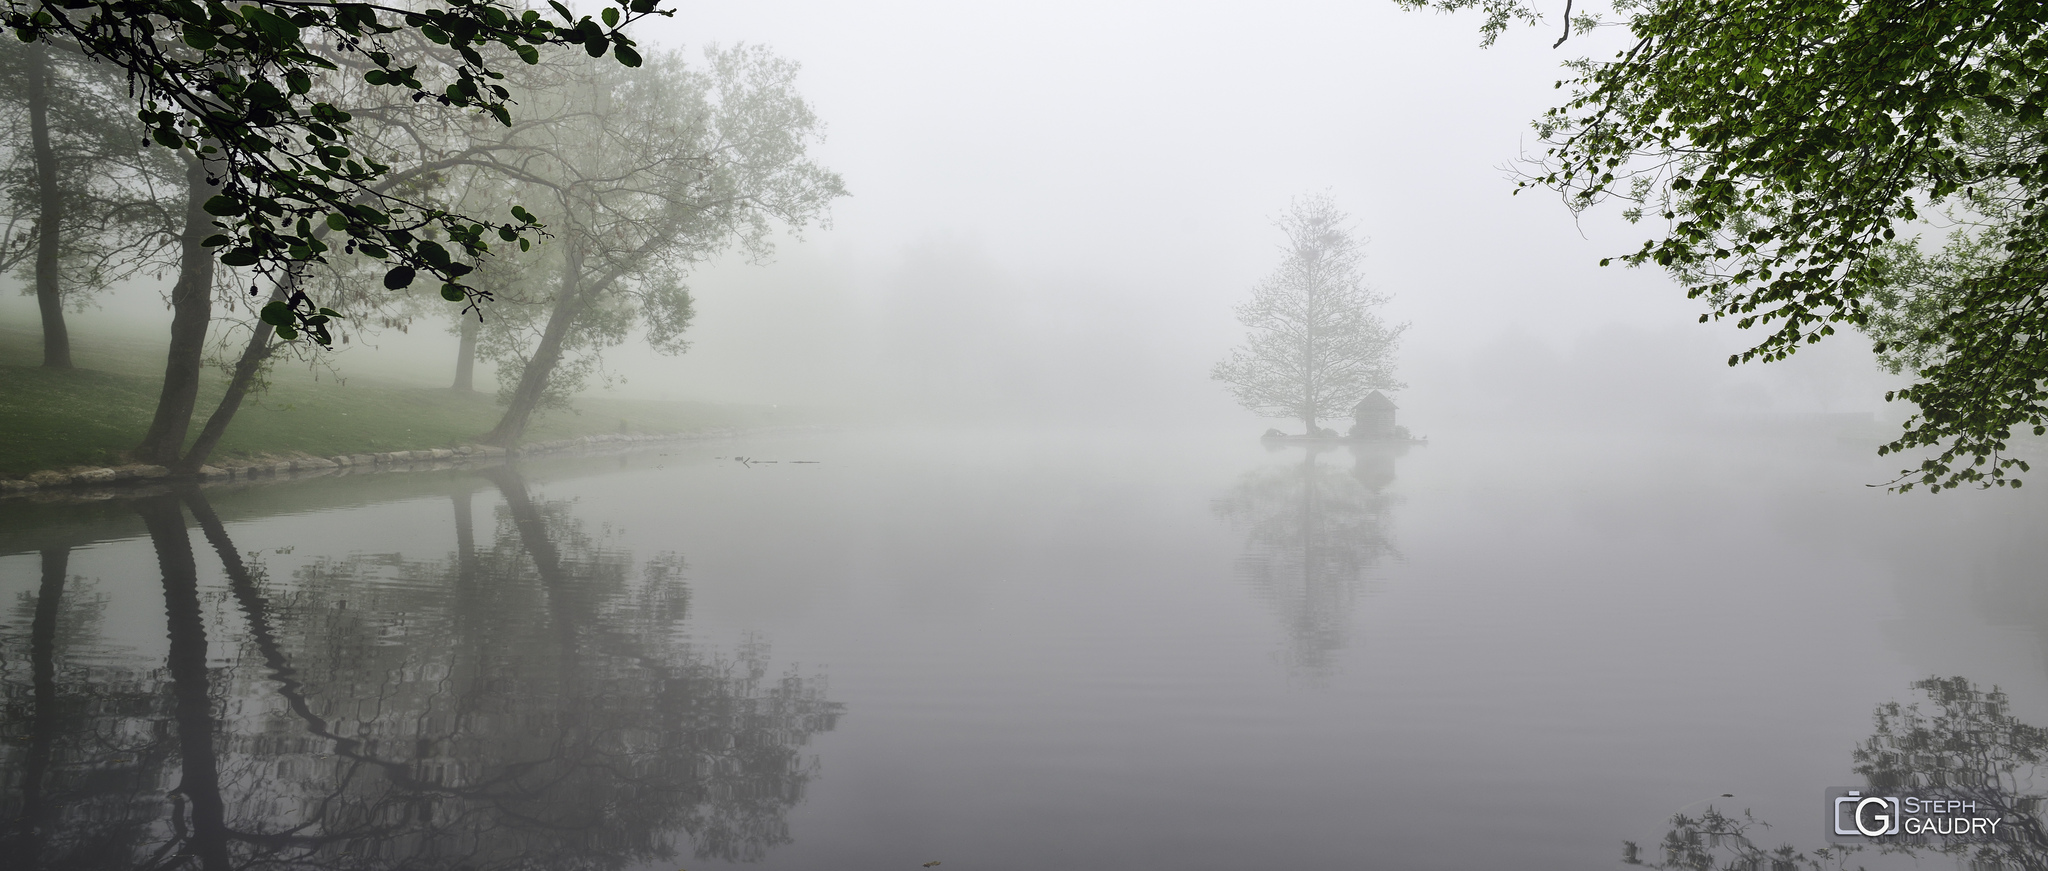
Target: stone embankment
(307, 465)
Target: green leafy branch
(233, 84)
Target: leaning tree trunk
(577, 291)
(191, 309)
(256, 617)
(253, 356)
(49, 212)
(533, 379)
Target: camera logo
(1855, 818)
(1871, 816)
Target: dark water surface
(997, 651)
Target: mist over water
(1005, 648)
(1036, 595)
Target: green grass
(93, 417)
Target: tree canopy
(83, 201)
(1794, 150)
(1315, 346)
(235, 85)
(641, 175)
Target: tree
(419, 145)
(650, 172)
(1313, 531)
(1789, 146)
(532, 700)
(230, 87)
(1315, 346)
(191, 312)
(81, 196)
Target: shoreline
(99, 483)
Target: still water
(1010, 651)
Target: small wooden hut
(1374, 416)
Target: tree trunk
(253, 355)
(533, 379)
(44, 726)
(256, 613)
(577, 291)
(1308, 370)
(1311, 557)
(191, 309)
(556, 583)
(49, 212)
(192, 703)
(465, 542)
(465, 356)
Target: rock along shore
(83, 481)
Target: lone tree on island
(1315, 346)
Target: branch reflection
(527, 700)
(1958, 741)
(1314, 530)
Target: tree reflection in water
(81, 751)
(1313, 531)
(1960, 742)
(527, 702)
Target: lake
(1004, 650)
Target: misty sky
(1091, 185)
(1056, 204)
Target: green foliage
(1786, 145)
(1499, 13)
(235, 85)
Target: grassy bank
(93, 416)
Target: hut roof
(1374, 401)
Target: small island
(1315, 343)
(1372, 422)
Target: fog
(1049, 602)
(1055, 207)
